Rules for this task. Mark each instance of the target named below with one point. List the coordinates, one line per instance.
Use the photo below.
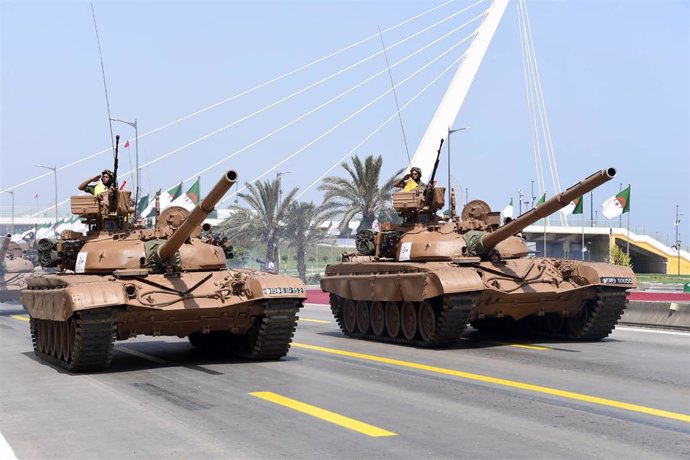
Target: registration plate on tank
(616, 280)
(283, 290)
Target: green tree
(303, 228)
(619, 257)
(263, 218)
(360, 193)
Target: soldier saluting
(104, 181)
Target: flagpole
(583, 233)
(627, 249)
(544, 237)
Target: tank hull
(11, 285)
(243, 312)
(434, 301)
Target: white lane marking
(6, 452)
(141, 355)
(653, 331)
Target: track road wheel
(393, 319)
(363, 316)
(408, 316)
(71, 337)
(51, 337)
(378, 319)
(350, 317)
(427, 321)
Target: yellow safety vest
(99, 188)
(410, 185)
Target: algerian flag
(189, 199)
(171, 195)
(575, 207)
(542, 199)
(142, 205)
(508, 210)
(616, 205)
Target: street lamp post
(133, 124)
(677, 224)
(11, 192)
(451, 131)
(533, 197)
(54, 169)
(280, 202)
(520, 195)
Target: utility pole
(280, 203)
(677, 224)
(11, 192)
(520, 196)
(451, 131)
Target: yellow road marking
(529, 347)
(320, 321)
(503, 382)
(21, 317)
(347, 422)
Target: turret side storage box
(84, 204)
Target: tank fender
(388, 287)
(600, 273)
(60, 304)
(452, 280)
(267, 286)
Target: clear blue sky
(615, 78)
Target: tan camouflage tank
(15, 270)
(420, 283)
(121, 279)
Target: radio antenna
(105, 86)
(395, 96)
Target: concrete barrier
(674, 315)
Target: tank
(421, 282)
(121, 279)
(15, 269)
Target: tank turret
(197, 216)
(489, 240)
(426, 236)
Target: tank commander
(103, 182)
(410, 181)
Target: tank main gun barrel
(547, 208)
(197, 216)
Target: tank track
(269, 339)
(453, 312)
(595, 321)
(599, 317)
(81, 344)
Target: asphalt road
(625, 397)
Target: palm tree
(359, 194)
(262, 220)
(303, 228)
